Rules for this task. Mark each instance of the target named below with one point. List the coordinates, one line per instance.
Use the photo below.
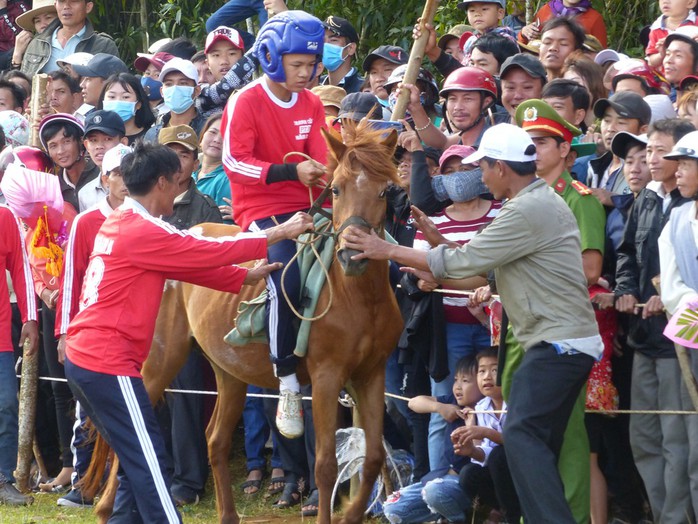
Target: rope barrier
(347, 401)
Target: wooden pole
(38, 99)
(144, 25)
(529, 11)
(27, 418)
(688, 378)
(415, 60)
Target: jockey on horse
(270, 118)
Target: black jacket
(638, 263)
(423, 341)
(194, 208)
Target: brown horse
(348, 347)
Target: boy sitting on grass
(438, 492)
(487, 475)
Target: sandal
(276, 485)
(291, 496)
(253, 483)
(310, 508)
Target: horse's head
(363, 167)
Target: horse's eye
(382, 194)
(335, 190)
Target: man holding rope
(110, 337)
(534, 248)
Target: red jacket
(591, 20)
(13, 257)
(75, 259)
(258, 130)
(134, 253)
(8, 28)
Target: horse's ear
(390, 141)
(337, 147)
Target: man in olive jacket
(70, 33)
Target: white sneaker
(289, 414)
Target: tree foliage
(377, 21)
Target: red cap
(463, 39)
(158, 60)
(224, 33)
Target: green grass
(255, 509)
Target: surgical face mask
(151, 87)
(123, 108)
(461, 186)
(178, 98)
(332, 56)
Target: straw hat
(26, 20)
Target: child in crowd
(438, 493)
(485, 17)
(487, 475)
(588, 17)
(224, 48)
(104, 130)
(675, 13)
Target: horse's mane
(365, 146)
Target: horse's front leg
(326, 387)
(370, 399)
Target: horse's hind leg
(325, 392)
(227, 413)
(370, 402)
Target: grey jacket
(534, 248)
(39, 50)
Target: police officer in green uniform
(552, 136)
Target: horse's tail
(91, 483)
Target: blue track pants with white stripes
(121, 410)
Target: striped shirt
(460, 231)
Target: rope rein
(315, 236)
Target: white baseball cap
(183, 66)
(112, 158)
(609, 55)
(80, 59)
(504, 142)
(228, 34)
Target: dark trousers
(297, 454)
(62, 397)
(121, 411)
(189, 451)
(492, 484)
(543, 392)
(281, 321)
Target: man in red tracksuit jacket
(110, 337)
(13, 257)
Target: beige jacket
(533, 245)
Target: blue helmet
(286, 33)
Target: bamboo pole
(144, 25)
(38, 99)
(415, 60)
(27, 418)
